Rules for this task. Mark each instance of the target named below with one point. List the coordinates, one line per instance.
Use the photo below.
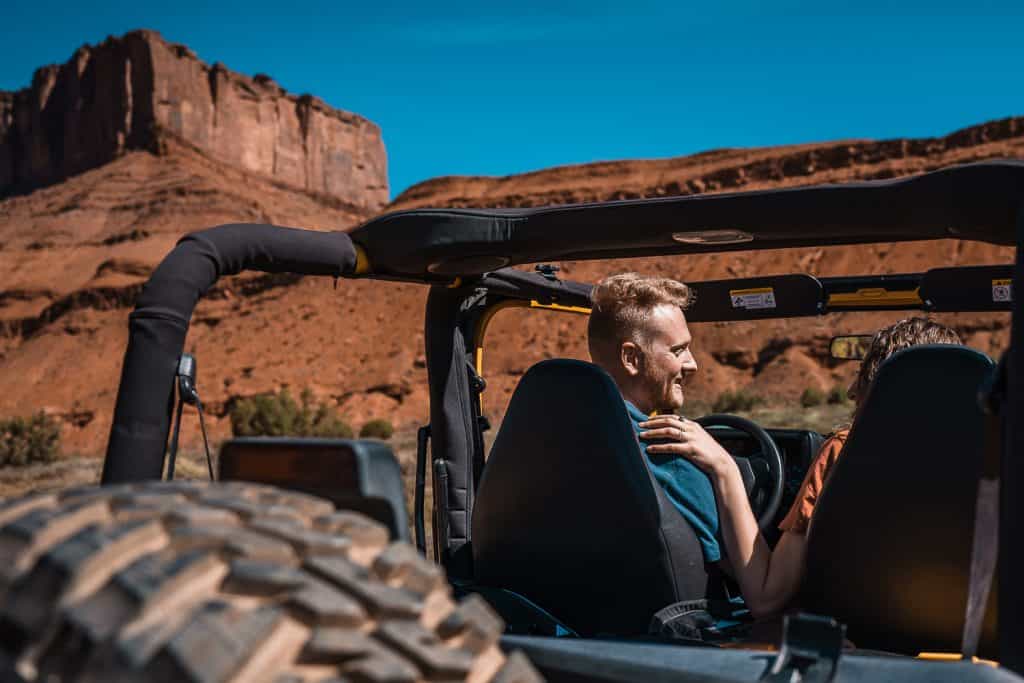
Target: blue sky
(495, 89)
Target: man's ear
(630, 356)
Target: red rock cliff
(134, 91)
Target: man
(638, 334)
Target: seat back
(890, 542)
(568, 514)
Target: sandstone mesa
(136, 91)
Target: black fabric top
(159, 323)
(976, 202)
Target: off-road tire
(184, 581)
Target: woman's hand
(768, 581)
(690, 440)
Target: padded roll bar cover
(568, 514)
(889, 546)
(451, 428)
(159, 323)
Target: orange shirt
(799, 516)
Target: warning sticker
(1002, 290)
(753, 299)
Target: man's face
(666, 362)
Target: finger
(682, 449)
(661, 421)
(673, 433)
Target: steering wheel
(762, 473)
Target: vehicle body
(466, 258)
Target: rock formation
(137, 91)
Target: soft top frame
(972, 202)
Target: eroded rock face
(135, 91)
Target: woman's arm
(768, 580)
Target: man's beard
(667, 399)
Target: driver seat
(889, 547)
(568, 514)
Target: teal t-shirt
(687, 488)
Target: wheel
(763, 473)
(184, 581)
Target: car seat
(889, 545)
(568, 514)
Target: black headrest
(890, 541)
(568, 514)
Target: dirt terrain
(74, 255)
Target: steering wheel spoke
(747, 474)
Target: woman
(770, 578)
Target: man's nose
(689, 363)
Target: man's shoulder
(635, 414)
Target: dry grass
(75, 470)
(64, 473)
(824, 418)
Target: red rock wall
(130, 92)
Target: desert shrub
(27, 440)
(279, 415)
(811, 397)
(377, 429)
(837, 396)
(738, 401)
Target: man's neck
(641, 402)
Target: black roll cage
(980, 201)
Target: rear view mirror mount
(850, 346)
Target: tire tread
(181, 581)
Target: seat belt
(985, 543)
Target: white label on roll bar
(753, 299)
(1002, 290)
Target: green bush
(27, 440)
(837, 396)
(279, 415)
(377, 429)
(812, 397)
(738, 401)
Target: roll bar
(159, 323)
